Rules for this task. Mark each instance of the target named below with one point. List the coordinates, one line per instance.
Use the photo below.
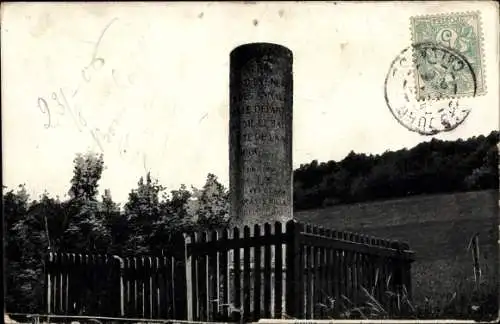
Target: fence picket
(153, 287)
(70, 275)
(257, 277)
(148, 287)
(368, 272)
(55, 282)
(267, 271)
(194, 280)
(336, 272)
(314, 274)
(224, 277)
(246, 275)
(97, 275)
(213, 280)
(323, 284)
(278, 273)
(355, 269)
(329, 279)
(237, 275)
(308, 277)
(202, 270)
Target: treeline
(428, 168)
(87, 223)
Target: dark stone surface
(260, 134)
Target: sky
(151, 82)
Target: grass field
(438, 228)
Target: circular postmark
(423, 87)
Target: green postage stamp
(460, 33)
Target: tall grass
(473, 298)
(479, 303)
(395, 305)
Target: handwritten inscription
(60, 99)
(63, 102)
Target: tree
(428, 168)
(211, 208)
(174, 220)
(15, 204)
(86, 175)
(108, 205)
(142, 210)
(115, 222)
(26, 271)
(485, 176)
(86, 230)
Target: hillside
(438, 228)
(429, 168)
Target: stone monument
(260, 134)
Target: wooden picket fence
(106, 285)
(294, 271)
(79, 284)
(270, 271)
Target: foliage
(148, 222)
(86, 228)
(428, 168)
(211, 209)
(87, 173)
(142, 210)
(27, 245)
(15, 208)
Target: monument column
(260, 134)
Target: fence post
(189, 278)
(402, 271)
(407, 271)
(122, 294)
(48, 269)
(294, 271)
